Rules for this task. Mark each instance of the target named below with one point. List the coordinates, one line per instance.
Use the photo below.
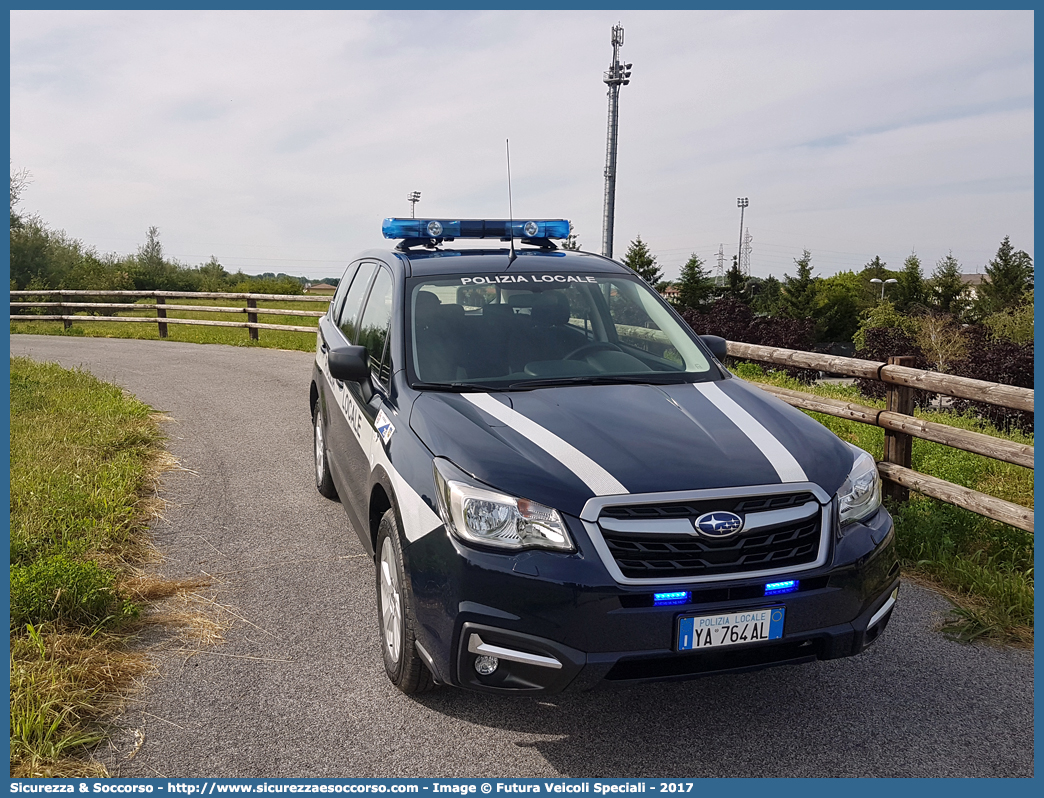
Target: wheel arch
(382, 499)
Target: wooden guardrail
(67, 307)
(901, 426)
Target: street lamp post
(883, 283)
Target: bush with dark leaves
(996, 360)
(734, 321)
(883, 343)
(986, 358)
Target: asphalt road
(298, 689)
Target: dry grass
(87, 462)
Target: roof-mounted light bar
(475, 228)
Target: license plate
(729, 629)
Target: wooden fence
(901, 426)
(896, 419)
(65, 309)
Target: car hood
(560, 446)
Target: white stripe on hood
(593, 475)
(788, 469)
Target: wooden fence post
(66, 323)
(252, 319)
(898, 446)
(161, 313)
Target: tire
(323, 480)
(395, 613)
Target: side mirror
(716, 344)
(350, 364)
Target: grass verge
(985, 567)
(191, 333)
(84, 458)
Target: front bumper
(569, 610)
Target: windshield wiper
(652, 378)
(456, 387)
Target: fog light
(486, 665)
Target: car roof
(425, 262)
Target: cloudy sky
(278, 141)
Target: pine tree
(696, 286)
(768, 297)
(947, 288)
(799, 293)
(642, 261)
(1008, 276)
(876, 268)
(910, 291)
(735, 282)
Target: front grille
(671, 555)
(738, 504)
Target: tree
(839, 301)
(799, 293)
(876, 268)
(212, 276)
(1013, 324)
(735, 283)
(42, 256)
(1008, 276)
(640, 260)
(571, 242)
(940, 339)
(19, 182)
(150, 254)
(910, 292)
(695, 285)
(883, 315)
(154, 271)
(946, 288)
(768, 296)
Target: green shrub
(66, 591)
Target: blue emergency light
(775, 588)
(678, 597)
(475, 228)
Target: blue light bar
(678, 597)
(475, 228)
(775, 588)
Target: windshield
(522, 331)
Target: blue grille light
(678, 597)
(475, 228)
(775, 588)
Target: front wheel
(395, 610)
(323, 480)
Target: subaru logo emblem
(720, 524)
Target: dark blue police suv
(561, 485)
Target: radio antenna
(511, 212)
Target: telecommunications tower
(617, 76)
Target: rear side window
(373, 328)
(349, 314)
(342, 291)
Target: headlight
(860, 495)
(486, 517)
